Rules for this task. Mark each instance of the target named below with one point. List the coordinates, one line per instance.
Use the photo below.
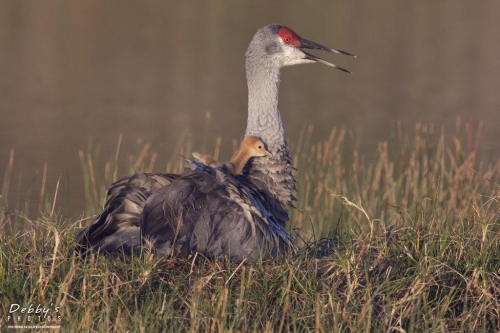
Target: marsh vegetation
(407, 241)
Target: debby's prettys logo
(33, 313)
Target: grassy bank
(405, 242)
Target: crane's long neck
(273, 174)
(264, 119)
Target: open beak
(307, 44)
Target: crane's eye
(289, 37)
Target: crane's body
(212, 210)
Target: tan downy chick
(250, 147)
(205, 159)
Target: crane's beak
(307, 44)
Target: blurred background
(74, 71)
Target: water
(70, 71)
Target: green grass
(406, 242)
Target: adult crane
(214, 212)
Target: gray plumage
(209, 210)
(118, 226)
(215, 213)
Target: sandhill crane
(250, 147)
(214, 212)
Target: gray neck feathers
(264, 118)
(273, 174)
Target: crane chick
(250, 147)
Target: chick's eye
(259, 147)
